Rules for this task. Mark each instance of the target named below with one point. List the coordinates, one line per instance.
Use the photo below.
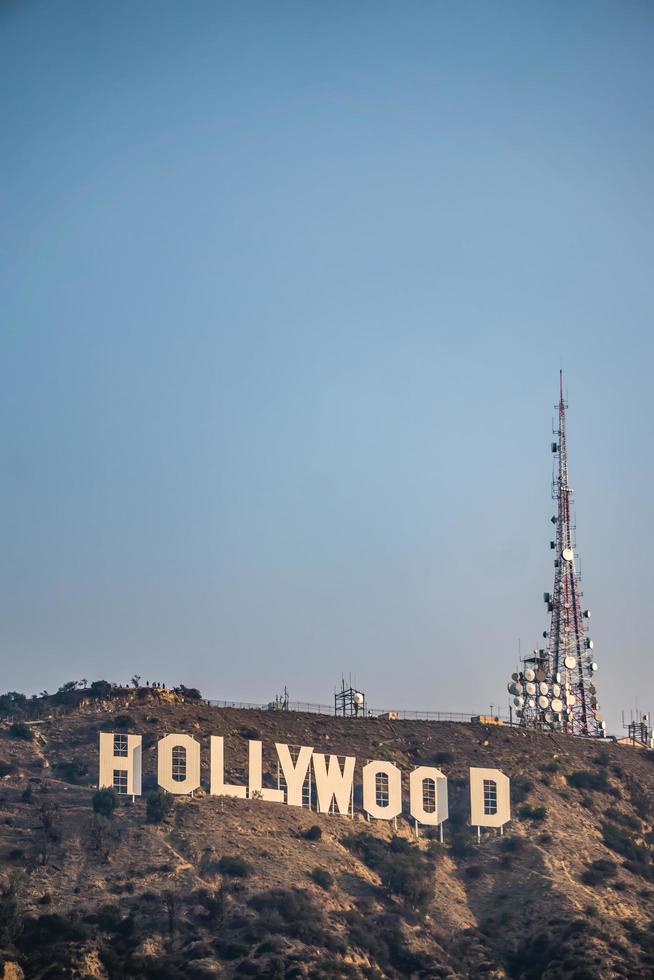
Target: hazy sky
(285, 290)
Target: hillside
(567, 892)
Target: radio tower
(555, 688)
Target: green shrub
(402, 867)
(105, 801)
(122, 722)
(443, 758)
(323, 878)
(11, 703)
(298, 917)
(100, 689)
(46, 930)
(74, 772)
(20, 730)
(599, 872)
(632, 823)
(536, 813)
(363, 935)
(520, 788)
(313, 833)
(232, 950)
(585, 779)
(157, 806)
(234, 865)
(461, 846)
(622, 843)
(189, 693)
(250, 733)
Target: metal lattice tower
(555, 688)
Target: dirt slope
(566, 893)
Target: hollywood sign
(178, 772)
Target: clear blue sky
(285, 292)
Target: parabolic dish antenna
(567, 554)
(570, 663)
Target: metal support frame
(565, 667)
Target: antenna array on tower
(555, 689)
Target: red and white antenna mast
(556, 687)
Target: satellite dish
(557, 705)
(515, 677)
(518, 701)
(543, 688)
(589, 644)
(540, 675)
(529, 674)
(543, 702)
(549, 716)
(530, 688)
(556, 690)
(567, 554)
(510, 687)
(593, 666)
(358, 697)
(570, 700)
(557, 678)
(570, 663)
(532, 703)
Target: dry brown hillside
(235, 888)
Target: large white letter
(394, 806)
(255, 765)
(490, 799)
(294, 773)
(217, 784)
(120, 753)
(417, 796)
(332, 784)
(178, 763)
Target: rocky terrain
(208, 887)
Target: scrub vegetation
(95, 884)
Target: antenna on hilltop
(349, 702)
(556, 687)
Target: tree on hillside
(158, 805)
(100, 689)
(11, 703)
(190, 693)
(105, 801)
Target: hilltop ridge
(217, 887)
